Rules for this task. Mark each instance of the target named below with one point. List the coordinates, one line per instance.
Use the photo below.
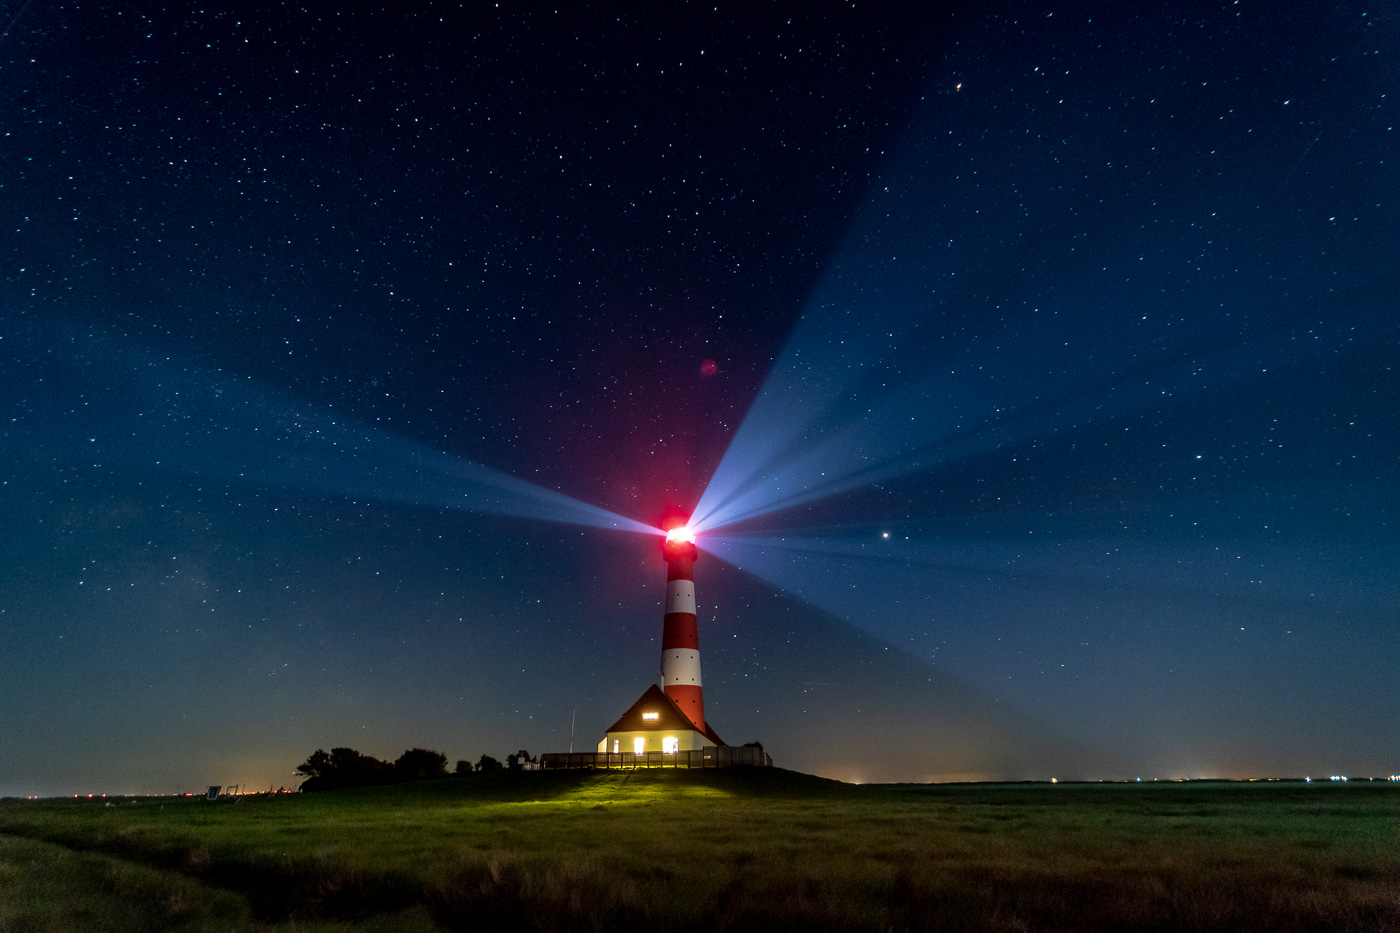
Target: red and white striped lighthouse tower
(680, 640)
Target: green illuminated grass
(736, 849)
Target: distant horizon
(1299, 779)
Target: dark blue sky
(1051, 419)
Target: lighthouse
(680, 640)
(670, 716)
(666, 726)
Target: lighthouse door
(639, 745)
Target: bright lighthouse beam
(911, 354)
(152, 413)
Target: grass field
(718, 850)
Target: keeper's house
(656, 724)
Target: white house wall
(686, 740)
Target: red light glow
(681, 534)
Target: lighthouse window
(651, 715)
(639, 745)
(670, 744)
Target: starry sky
(1029, 371)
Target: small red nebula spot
(709, 368)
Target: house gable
(654, 711)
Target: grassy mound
(733, 849)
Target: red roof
(669, 717)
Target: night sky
(1030, 371)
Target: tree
(487, 764)
(343, 767)
(463, 767)
(417, 764)
(318, 765)
(353, 769)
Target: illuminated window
(670, 744)
(638, 745)
(616, 743)
(651, 715)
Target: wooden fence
(711, 756)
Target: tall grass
(47, 888)
(737, 850)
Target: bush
(417, 764)
(343, 767)
(346, 767)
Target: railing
(711, 756)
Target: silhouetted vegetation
(346, 767)
(487, 764)
(343, 767)
(419, 764)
